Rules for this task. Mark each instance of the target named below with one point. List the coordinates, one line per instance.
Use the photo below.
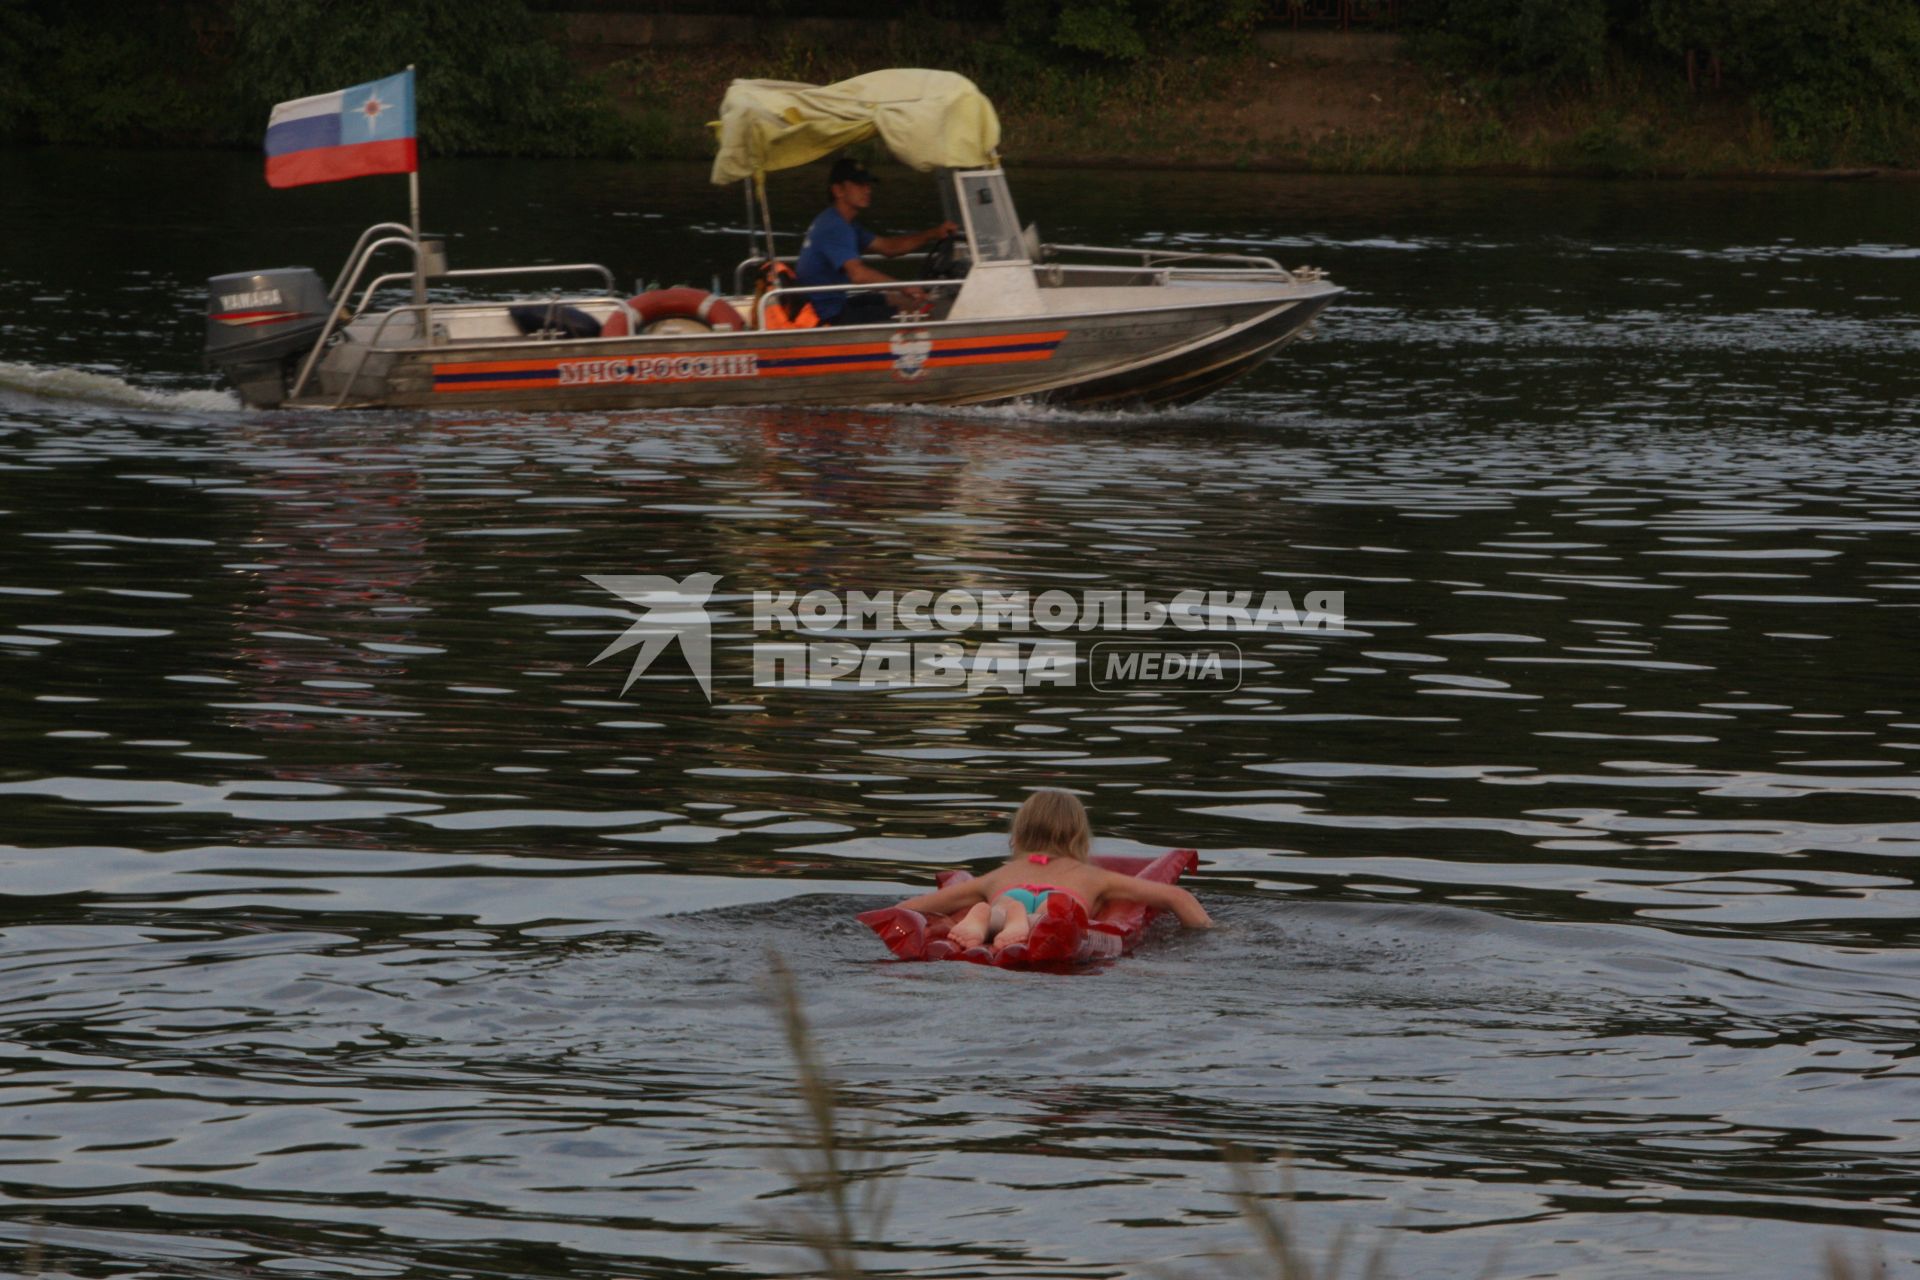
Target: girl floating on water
(1051, 843)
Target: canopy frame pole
(766, 214)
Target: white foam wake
(54, 382)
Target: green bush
(22, 35)
(1122, 30)
(104, 73)
(1530, 42)
(1838, 77)
(491, 77)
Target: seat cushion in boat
(533, 317)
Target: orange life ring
(684, 303)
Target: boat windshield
(986, 210)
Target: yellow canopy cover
(928, 119)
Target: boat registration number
(589, 373)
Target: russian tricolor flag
(353, 133)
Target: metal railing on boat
(805, 291)
(747, 268)
(360, 247)
(1168, 257)
(470, 273)
(1146, 259)
(363, 251)
(350, 275)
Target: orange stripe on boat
(761, 362)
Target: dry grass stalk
(1276, 1231)
(847, 1201)
(1843, 1265)
(850, 1202)
(34, 1259)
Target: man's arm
(894, 246)
(859, 272)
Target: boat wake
(53, 382)
(1029, 412)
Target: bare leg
(970, 930)
(1016, 927)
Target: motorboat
(1004, 315)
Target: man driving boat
(836, 242)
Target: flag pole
(413, 193)
(419, 253)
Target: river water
(354, 922)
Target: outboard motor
(260, 325)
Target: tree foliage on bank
(1122, 30)
(1840, 76)
(97, 71)
(492, 75)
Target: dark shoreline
(1167, 164)
(1103, 163)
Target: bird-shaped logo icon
(669, 609)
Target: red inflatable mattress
(1062, 934)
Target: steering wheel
(943, 261)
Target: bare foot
(970, 930)
(1015, 923)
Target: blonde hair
(1053, 821)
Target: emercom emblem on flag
(352, 133)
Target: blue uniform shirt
(830, 242)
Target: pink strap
(1039, 859)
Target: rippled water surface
(353, 922)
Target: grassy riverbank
(1291, 103)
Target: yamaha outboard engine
(260, 325)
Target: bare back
(1091, 884)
